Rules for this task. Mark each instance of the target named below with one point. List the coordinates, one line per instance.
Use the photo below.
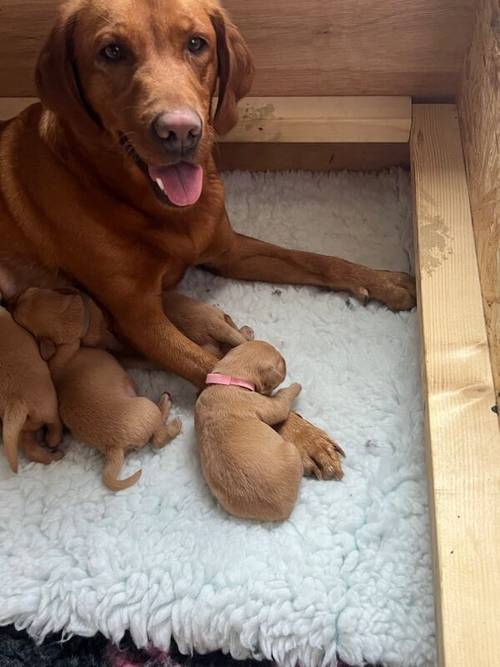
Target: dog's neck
(247, 372)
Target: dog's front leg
(246, 258)
(141, 320)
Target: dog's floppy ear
(57, 75)
(235, 72)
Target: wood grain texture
(11, 106)
(479, 108)
(323, 120)
(311, 157)
(282, 156)
(301, 47)
(303, 119)
(463, 434)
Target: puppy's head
(256, 361)
(55, 315)
(145, 75)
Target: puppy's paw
(247, 333)
(174, 427)
(165, 404)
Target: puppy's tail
(13, 421)
(115, 458)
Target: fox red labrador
(110, 182)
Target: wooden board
(11, 106)
(301, 47)
(463, 434)
(323, 120)
(303, 119)
(311, 157)
(479, 108)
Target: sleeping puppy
(67, 317)
(250, 469)
(97, 400)
(28, 399)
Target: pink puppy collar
(229, 381)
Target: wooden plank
(301, 47)
(11, 106)
(463, 434)
(479, 109)
(304, 120)
(311, 157)
(323, 120)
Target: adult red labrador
(111, 180)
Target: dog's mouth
(179, 184)
(182, 183)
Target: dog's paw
(321, 456)
(396, 290)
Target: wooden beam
(304, 119)
(301, 47)
(463, 436)
(323, 120)
(479, 109)
(11, 106)
(311, 157)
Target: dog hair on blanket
(28, 399)
(97, 400)
(251, 470)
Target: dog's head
(146, 73)
(255, 361)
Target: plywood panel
(479, 106)
(301, 47)
(463, 434)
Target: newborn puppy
(27, 396)
(250, 469)
(97, 400)
(67, 317)
(206, 325)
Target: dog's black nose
(179, 130)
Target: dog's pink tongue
(182, 182)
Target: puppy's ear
(47, 349)
(58, 77)
(235, 72)
(272, 371)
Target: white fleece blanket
(349, 573)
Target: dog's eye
(113, 53)
(196, 44)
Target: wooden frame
(463, 447)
